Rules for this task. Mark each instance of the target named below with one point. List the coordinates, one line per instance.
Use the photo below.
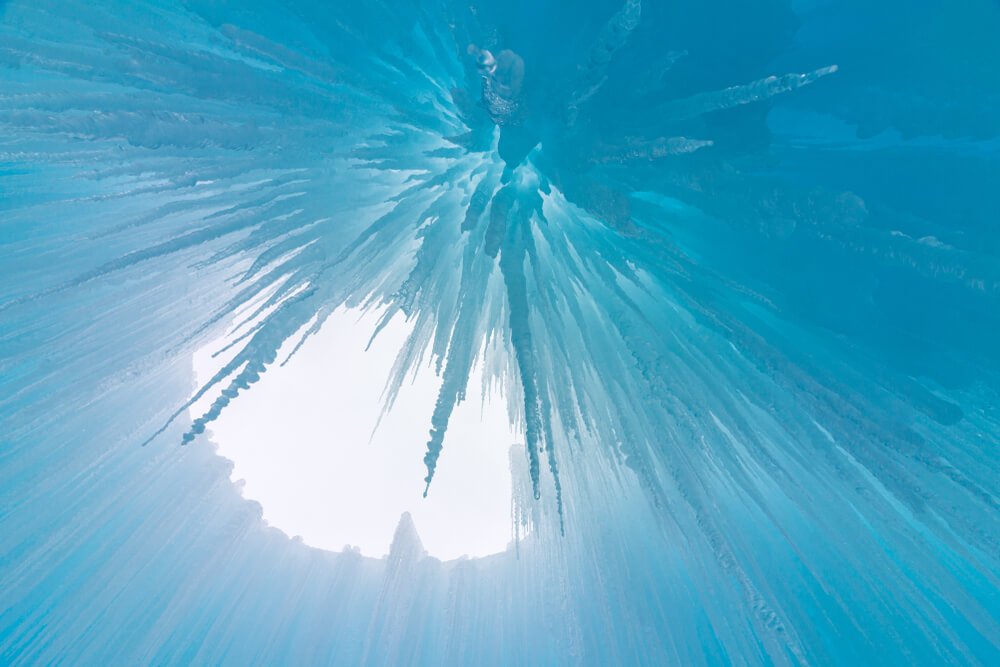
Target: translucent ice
(733, 265)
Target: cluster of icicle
(704, 480)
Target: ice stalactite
(756, 91)
(593, 73)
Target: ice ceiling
(733, 265)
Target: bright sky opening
(301, 439)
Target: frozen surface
(733, 265)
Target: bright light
(300, 440)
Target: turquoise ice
(736, 265)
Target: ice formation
(734, 265)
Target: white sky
(300, 440)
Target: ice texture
(735, 266)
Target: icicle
(649, 150)
(613, 37)
(761, 89)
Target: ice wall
(735, 265)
